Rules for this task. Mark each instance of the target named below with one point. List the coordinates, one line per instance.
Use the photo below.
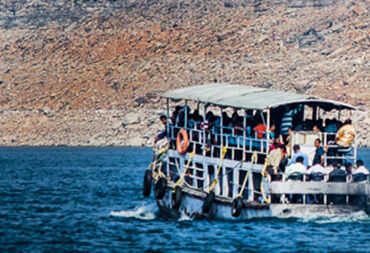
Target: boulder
(137, 142)
(131, 118)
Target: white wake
(354, 217)
(141, 213)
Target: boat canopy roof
(248, 97)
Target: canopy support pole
(186, 114)
(168, 119)
(356, 131)
(268, 131)
(244, 133)
(221, 131)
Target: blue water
(89, 199)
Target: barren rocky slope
(91, 72)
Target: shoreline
(96, 128)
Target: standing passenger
(319, 154)
(298, 153)
(163, 134)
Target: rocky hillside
(91, 72)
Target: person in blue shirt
(319, 154)
(298, 153)
(164, 133)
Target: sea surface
(90, 200)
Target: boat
(209, 168)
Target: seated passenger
(361, 173)
(349, 168)
(337, 175)
(361, 168)
(260, 129)
(317, 168)
(331, 126)
(296, 168)
(275, 144)
(316, 128)
(298, 153)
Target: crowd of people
(280, 161)
(283, 122)
(298, 166)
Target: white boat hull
(192, 205)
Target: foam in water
(141, 213)
(354, 217)
(185, 217)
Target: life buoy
(160, 188)
(182, 141)
(345, 135)
(176, 198)
(147, 184)
(237, 206)
(208, 202)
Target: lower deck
(262, 196)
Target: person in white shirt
(317, 168)
(297, 167)
(361, 168)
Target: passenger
(274, 159)
(217, 124)
(275, 144)
(163, 134)
(315, 169)
(260, 129)
(331, 126)
(349, 168)
(175, 114)
(298, 153)
(272, 131)
(316, 173)
(337, 175)
(361, 168)
(315, 128)
(319, 153)
(296, 168)
(196, 116)
(287, 140)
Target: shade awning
(247, 97)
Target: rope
(185, 170)
(215, 181)
(253, 160)
(263, 172)
(158, 166)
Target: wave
(360, 216)
(185, 217)
(141, 213)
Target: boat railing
(200, 176)
(240, 144)
(325, 191)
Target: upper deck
(211, 127)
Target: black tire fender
(208, 201)
(237, 207)
(160, 188)
(147, 184)
(176, 198)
